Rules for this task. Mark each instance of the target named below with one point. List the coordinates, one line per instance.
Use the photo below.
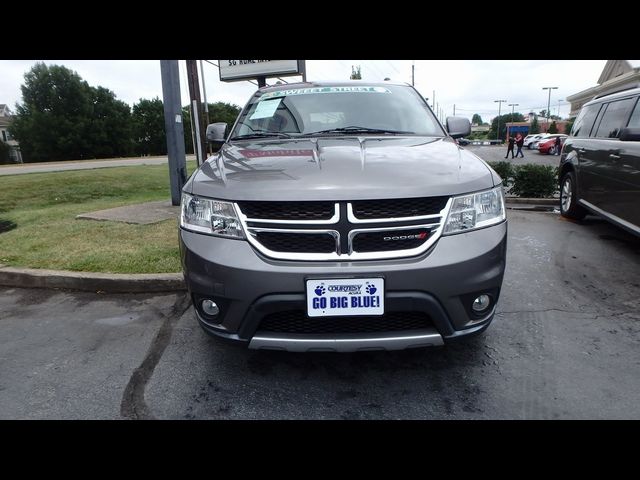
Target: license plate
(345, 296)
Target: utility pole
(454, 109)
(173, 127)
(433, 105)
(206, 105)
(548, 105)
(499, 102)
(513, 106)
(194, 96)
(413, 73)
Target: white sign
(345, 297)
(266, 109)
(234, 70)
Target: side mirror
(458, 126)
(217, 132)
(630, 134)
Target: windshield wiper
(260, 134)
(356, 129)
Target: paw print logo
(320, 290)
(371, 289)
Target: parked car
(463, 141)
(533, 145)
(548, 144)
(529, 139)
(342, 216)
(600, 163)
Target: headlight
(477, 210)
(210, 216)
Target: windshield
(337, 110)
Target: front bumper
(441, 283)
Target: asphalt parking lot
(495, 153)
(564, 345)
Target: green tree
(476, 119)
(355, 73)
(569, 125)
(504, 119)
(110, 128)
(553, 128)
(218, 112)
(535, 126)
(63, 118)
(149, 134)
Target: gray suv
(342, 217)
(600, 163)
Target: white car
(533, 141)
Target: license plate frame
(362, 296)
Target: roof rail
(621, 89)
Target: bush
(534, 181)
(505, 170)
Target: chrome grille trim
(332, 220)
(353, 219)
(435, 227)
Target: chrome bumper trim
(346, 342)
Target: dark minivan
(600, 164)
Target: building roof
(617, 75)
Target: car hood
(342, 168)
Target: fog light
(210, 308)
(481, 303)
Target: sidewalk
(17, 169)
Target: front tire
(569, 207)
(552, 150)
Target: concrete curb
(91, 282)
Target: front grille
(343, 231)
(297, 242)
(402, 207)
(288, 210)
(296, 321)
(396, 240)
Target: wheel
(552, 150)
(568, 201)
(529, 146)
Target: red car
(548, 145)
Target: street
(563, 345)
(81, 165)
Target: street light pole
(559, 101)
(548, 105)
(513, 106)
(499, 102)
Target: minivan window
(614, 118)
(584, 122)
(634, 121)
(349, 109)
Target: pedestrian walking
(558, 145)
(510, 147)
(519, 143)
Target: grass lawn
(47, 235)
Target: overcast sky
(471, 85)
